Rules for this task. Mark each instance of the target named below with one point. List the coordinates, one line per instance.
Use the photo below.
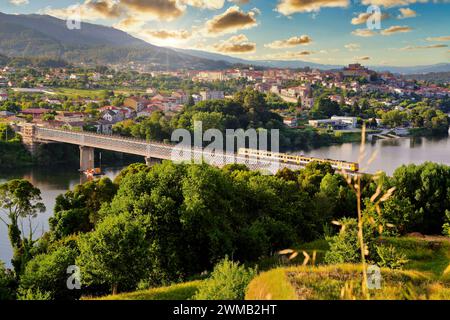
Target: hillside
(425, 276)
(42, 35)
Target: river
(387, 156)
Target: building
(137, 104)
(336, 122)
(69, 117)
(35, 113)
(209, 76)
(290, 122)
(212, 95)
(357, 70)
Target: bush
(228, 281)
(29, 294)
(7, 283)
(344, 247)
(390, 257)
(47, 274)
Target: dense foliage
(166, 223)
(228, 281)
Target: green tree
(116, 253)
(47, 273)
(19, 199)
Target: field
(94, 93)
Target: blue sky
(311, 30)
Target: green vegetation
(228, 281)
(12, 151)
(181, 291)
(134, 233)
(425, 276)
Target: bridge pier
(148, 161)
(28, 132)
(86, 158)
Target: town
(104, 99)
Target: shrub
(30, 294)
(47, 273)
(390, 257)
(228, 281)
(7, 283)
(344, 247)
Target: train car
(300, 160)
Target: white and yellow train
(299, 160)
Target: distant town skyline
(319, 31)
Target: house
(137, 104)
(3, 96)
(151, 108)
(5, 114)
(290, 122)
(35, 113)
(69, 117)
(336, 122)
(111, 116)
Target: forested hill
(42, 35)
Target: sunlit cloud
(352, 46)
(19, 2)
(443, 38)
(362, 17)
(232, 20)
(433, 46)
(238, 44)
(395, 29)
(364, 33)
(288, 7)
(361, 58)
(406, 13)
(289, 43)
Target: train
(299, 160)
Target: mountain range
(37, 35)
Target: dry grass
(329, 283)
(182, 291)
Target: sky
(371, 32)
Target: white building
(212, 95)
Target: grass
(92, 93)
(182, 291)
(327, 283)
(423, 255)
(425, 276)
(271, 285)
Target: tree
(78, 210)
(325, 108)
(7, 283)
(47, 273)
(116, 253)
(19, 199)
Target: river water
(387, 156)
